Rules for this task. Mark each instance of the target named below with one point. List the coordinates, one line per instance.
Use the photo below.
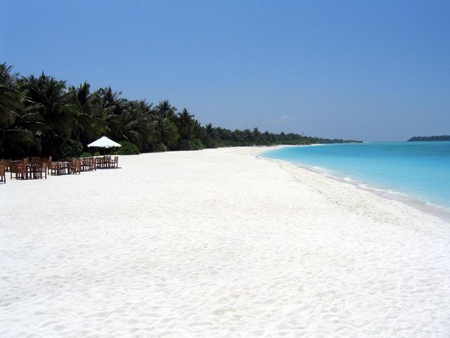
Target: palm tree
(198, 130)
(18, 139)
(90, 122)
(10, 96)
(111, 105)
(209, 136)
(256, 136)
(49, 113)
(111, 100)
(136, 124)
(166, 133)
(185, 124)
(166, 110)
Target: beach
(217, 243)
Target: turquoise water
(414, 170)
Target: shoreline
(423, 206)
(217, 243)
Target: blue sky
(367, 70)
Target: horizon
(374, 72)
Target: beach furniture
(53, 168)
(113, 162)
(2, 172)
(100, 162)
(75, 166)
(104, 142)
(7, 165)
(18, 170)
(36, 160)
(37, 170)
(43, 169)
(27, 170)
(116, 162)
(107, 162)
(87, 164)
(58, 168)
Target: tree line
(43, 116)
(429, 138)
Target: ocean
(412, 171)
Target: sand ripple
(217, 244)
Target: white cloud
(283, 119)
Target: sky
(371, 70)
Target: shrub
(160, 147)
(86, 154)
(196, 144)
(71, 148)
(127, 148)
(184, 145)
(211, 143)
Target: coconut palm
(90, 122)
(111, 105)
(165, 132)
(10, 96)
(17, 139)
(136, 124)
(48, 112)
(166, 110)
(185, 123)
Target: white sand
(217, 243)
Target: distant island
(429, 138)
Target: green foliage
(184, 145)
(127, 148)
(209, 142)
(10, 96)
(41, 116)
(196, 144)
(97, 154)
(160, 148)
(70, 149)
(429, 138)
(85, 154)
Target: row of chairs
(39, 168)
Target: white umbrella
(104, 142)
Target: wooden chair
(45, 165)
(18, 170)
(84, 164)
(2, 172)
(115, 163)
(101, 162)
(7, 165)
(53, 168)
(37, 168)
(40, 170)
(87, 164)
(75, 166)
(109, 162)
(35, 160)
(92, 163)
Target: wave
(422, 205)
